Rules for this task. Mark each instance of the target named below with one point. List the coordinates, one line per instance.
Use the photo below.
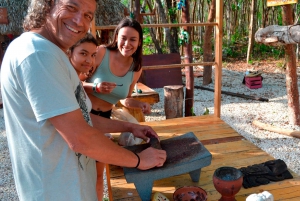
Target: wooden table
(227, 147)
(149, 95)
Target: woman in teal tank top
(118, 68)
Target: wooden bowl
(190, 193)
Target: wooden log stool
(173, 101)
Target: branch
(282, 131)
(276, 35)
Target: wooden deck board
(227, 147)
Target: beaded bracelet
(138, 163)
(98, 91)
(94, 87)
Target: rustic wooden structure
(218, 51)
(173, 103)
(148, 95)
(228, 148)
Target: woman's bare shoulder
(100, 54)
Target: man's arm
(83, 138)
(113, 126)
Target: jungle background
(239, 17)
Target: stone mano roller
(185, 154)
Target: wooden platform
(227, 147)
(148, 95)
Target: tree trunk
(252, 27)
(174, 48)
(188, 58)
(164, 20)
(207, 45)
(137, 8)
(152, 32)
(291, 74)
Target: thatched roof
(16, 11)
(109, 12)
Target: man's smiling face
(69, 21)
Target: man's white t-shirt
(38, 82)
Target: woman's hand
(105, 87)
(146, 108)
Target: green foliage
(206, 112)
(192, 111)
(148, 45)
(197, 50)
(263, 51)
(279, 17)
(172, 11)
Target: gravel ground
(237, 112)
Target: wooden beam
(162, 25)
(93, 28)
(218, 58)
(178, 65)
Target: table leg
(108, 182)
(195, 175)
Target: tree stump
(173, 101)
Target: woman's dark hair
(88, 38)
(137, 56)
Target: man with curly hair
(53, 146)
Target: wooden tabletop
(227, 147)
(148, 95)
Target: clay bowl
(190, 193)
(227, 181)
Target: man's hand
(151, 157)
(144, 132)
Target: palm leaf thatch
(16, 11)
(109, 12)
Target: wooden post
(291, 71)
(218, 58)
(173, 101)
(93, 28)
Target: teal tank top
(103, 74)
